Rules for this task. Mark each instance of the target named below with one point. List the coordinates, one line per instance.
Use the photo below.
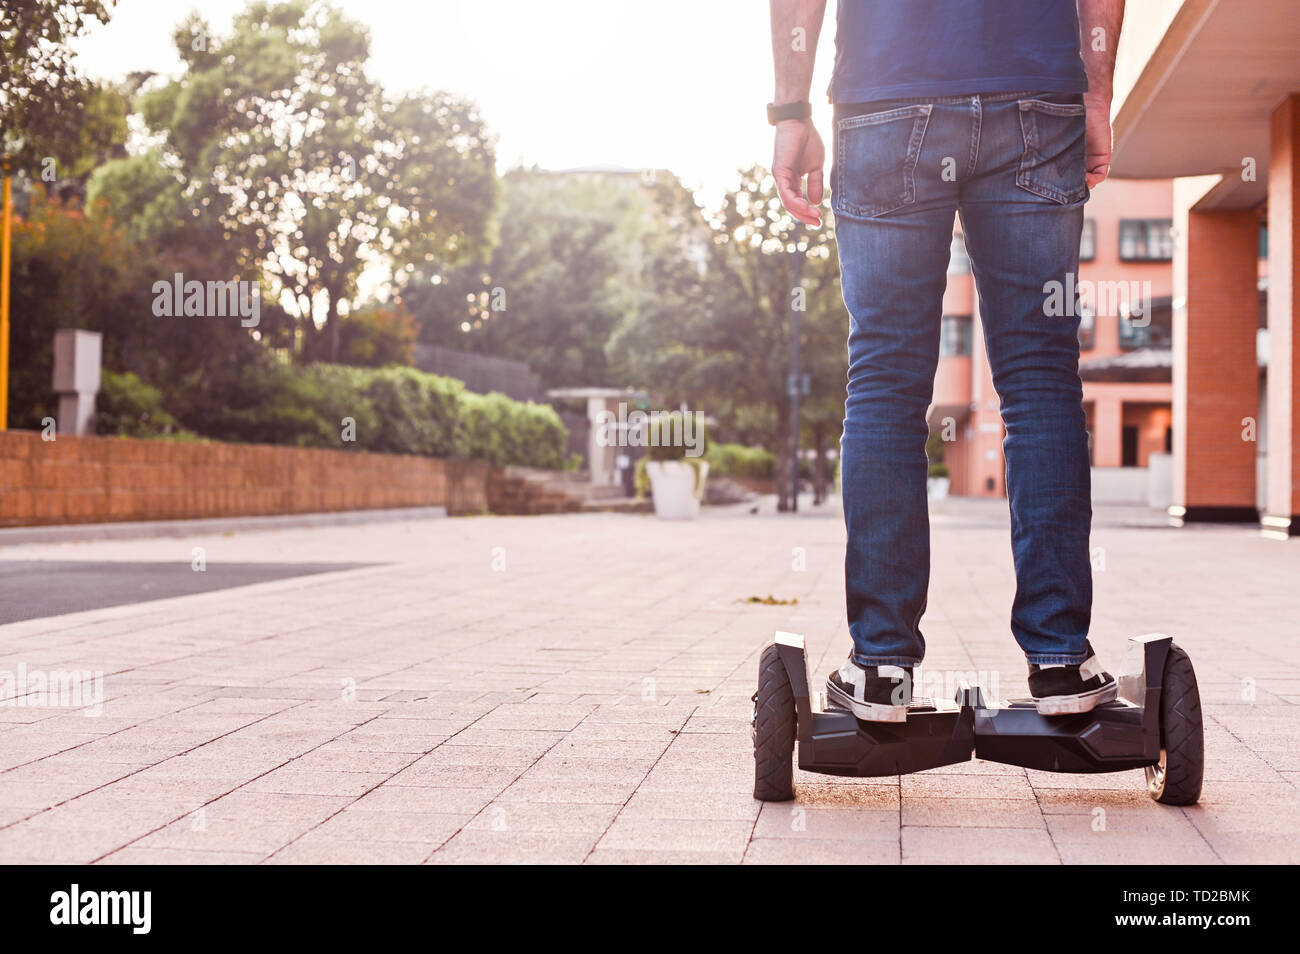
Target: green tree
(652, 344)
(144, 197)
(720, 336)
(67, 273)
(566, 270)
(64, 166)
(377, 335)
(285, 150)
(71, 270)
(43, 99)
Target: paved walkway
(576, 688)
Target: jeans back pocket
(1053, 163)
(875, 160)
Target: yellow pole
(4, 302)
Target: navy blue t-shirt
(894, 49)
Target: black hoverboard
(1155, 725)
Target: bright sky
(669, 84)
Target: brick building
(1124, 284)
(1208, 93)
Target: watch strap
(777, 113)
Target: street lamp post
(796, 377)
(5, 222)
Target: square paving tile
(556, 713)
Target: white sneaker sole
(866, 711)
(1075, 705)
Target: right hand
(799, 152)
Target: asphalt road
(33, 589)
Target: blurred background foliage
(374, 221)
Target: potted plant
(674, 469)
(937, 482)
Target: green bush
(334, 393)
(393, 410)
(499, 429)
(666, 433)
(737, 460)
(128, 407)
(263, 400)
(935, 450)
(415, 413)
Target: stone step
(619, 505)
(521, 490)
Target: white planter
(672, 485)
(937, 487)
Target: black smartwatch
(777, 114)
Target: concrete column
(76, 378)
(1282, 511)
(600, 453)
(1216, 374)
(1107, 431)
(988, 465)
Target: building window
(958, 258)
(1087, 328)
(1134, 334)
(1146, 240)
(955, 336)
(1088, 241)
(1146, 323)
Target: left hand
(1099, 139)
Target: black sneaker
(872, 693)
(1069, 690)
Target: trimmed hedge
(737, 460)
(391, 410)
(504, 431)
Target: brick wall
(103, 479)
(514, 493)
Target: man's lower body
(1012, 166)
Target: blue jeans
(1012, 166)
